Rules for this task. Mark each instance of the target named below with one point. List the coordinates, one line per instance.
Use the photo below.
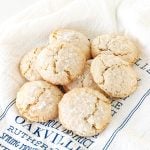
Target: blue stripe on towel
(126, 120)
(6, 109)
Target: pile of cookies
(91, 74)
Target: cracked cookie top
(73, 37)
(85, 111)
(38, 101)
(83, 80)
(27, 65)
(119, 45)
(60, 64)
(113, 75)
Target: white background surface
(9, 8)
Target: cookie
(113, 75)
(73, 37)
(38, 101)
(83, 80)
(119, 45)
(60, 64)
(27, 65)
(85, 111)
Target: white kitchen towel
(130, 125)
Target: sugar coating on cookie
(119, 45)
(38, 101)
(83, 80)
(73, 37)
(113, 75)
(60, 64)
(85, 111)
(27, 65)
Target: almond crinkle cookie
(85, 111)
(60, 64)
(83, 80)
(113, 75)
(27, 65)
(38, 101)
(119, 45)
(73, 37)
